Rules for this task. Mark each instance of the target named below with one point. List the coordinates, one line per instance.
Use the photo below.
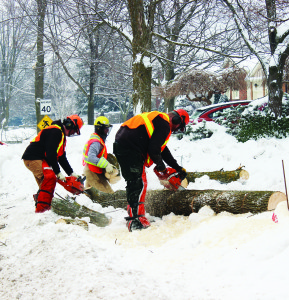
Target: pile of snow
(203, 256)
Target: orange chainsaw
(73, 185)
(170, 179)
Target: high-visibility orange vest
(62, 144)
(103, 153)
(147, 120)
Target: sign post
(45, 110)
(45, 107)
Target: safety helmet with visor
(181, 118)
(73, 124)
(102, 126)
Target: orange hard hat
(77, 121)
(184, 115)
(181, 119)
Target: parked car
(211, 112)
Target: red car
(211, 112)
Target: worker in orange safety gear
(45, 153)
(140, 142)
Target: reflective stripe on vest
(147, 120)
(102, 163)
(62, 144)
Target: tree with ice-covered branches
(264, 27)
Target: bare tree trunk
(169, 103)
(275, 90)
(142, 20)
(39, 68)
(275, 72)
(93, 42)
(173, 33)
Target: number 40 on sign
(45, 107)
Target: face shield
(103, 130)
(107, 130)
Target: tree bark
(173, 33)
(221, 176)
(275, 90)
(275, 78)
(39, 68)
(92, 78)
(93, 38)
(142, 21)
(73, 210)
(162, 202)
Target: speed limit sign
(45, 107)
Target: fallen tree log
(221, 176)
(74, 210)
(163, 202)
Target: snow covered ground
(203, 256)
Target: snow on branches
(200, 85)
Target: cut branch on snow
(67, 208)
(80, 223)
(221, 176)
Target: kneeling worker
(95, 157)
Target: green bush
(196, 132)
(256, 124)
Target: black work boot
(135, 221)
(134, 225)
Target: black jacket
(46, 149)
(138, 140)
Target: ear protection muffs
(68, 124)
(176, 120)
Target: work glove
(75, 175)
(60, 176)
(109, 168)
(161, 168)
(182, 174)
(162, 175)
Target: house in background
(256, 85)
(255, 82)
(248, 82)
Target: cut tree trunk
(163, 202)
(73, 210)
(221, 176)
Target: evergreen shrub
(257, 123)
(196, 132)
